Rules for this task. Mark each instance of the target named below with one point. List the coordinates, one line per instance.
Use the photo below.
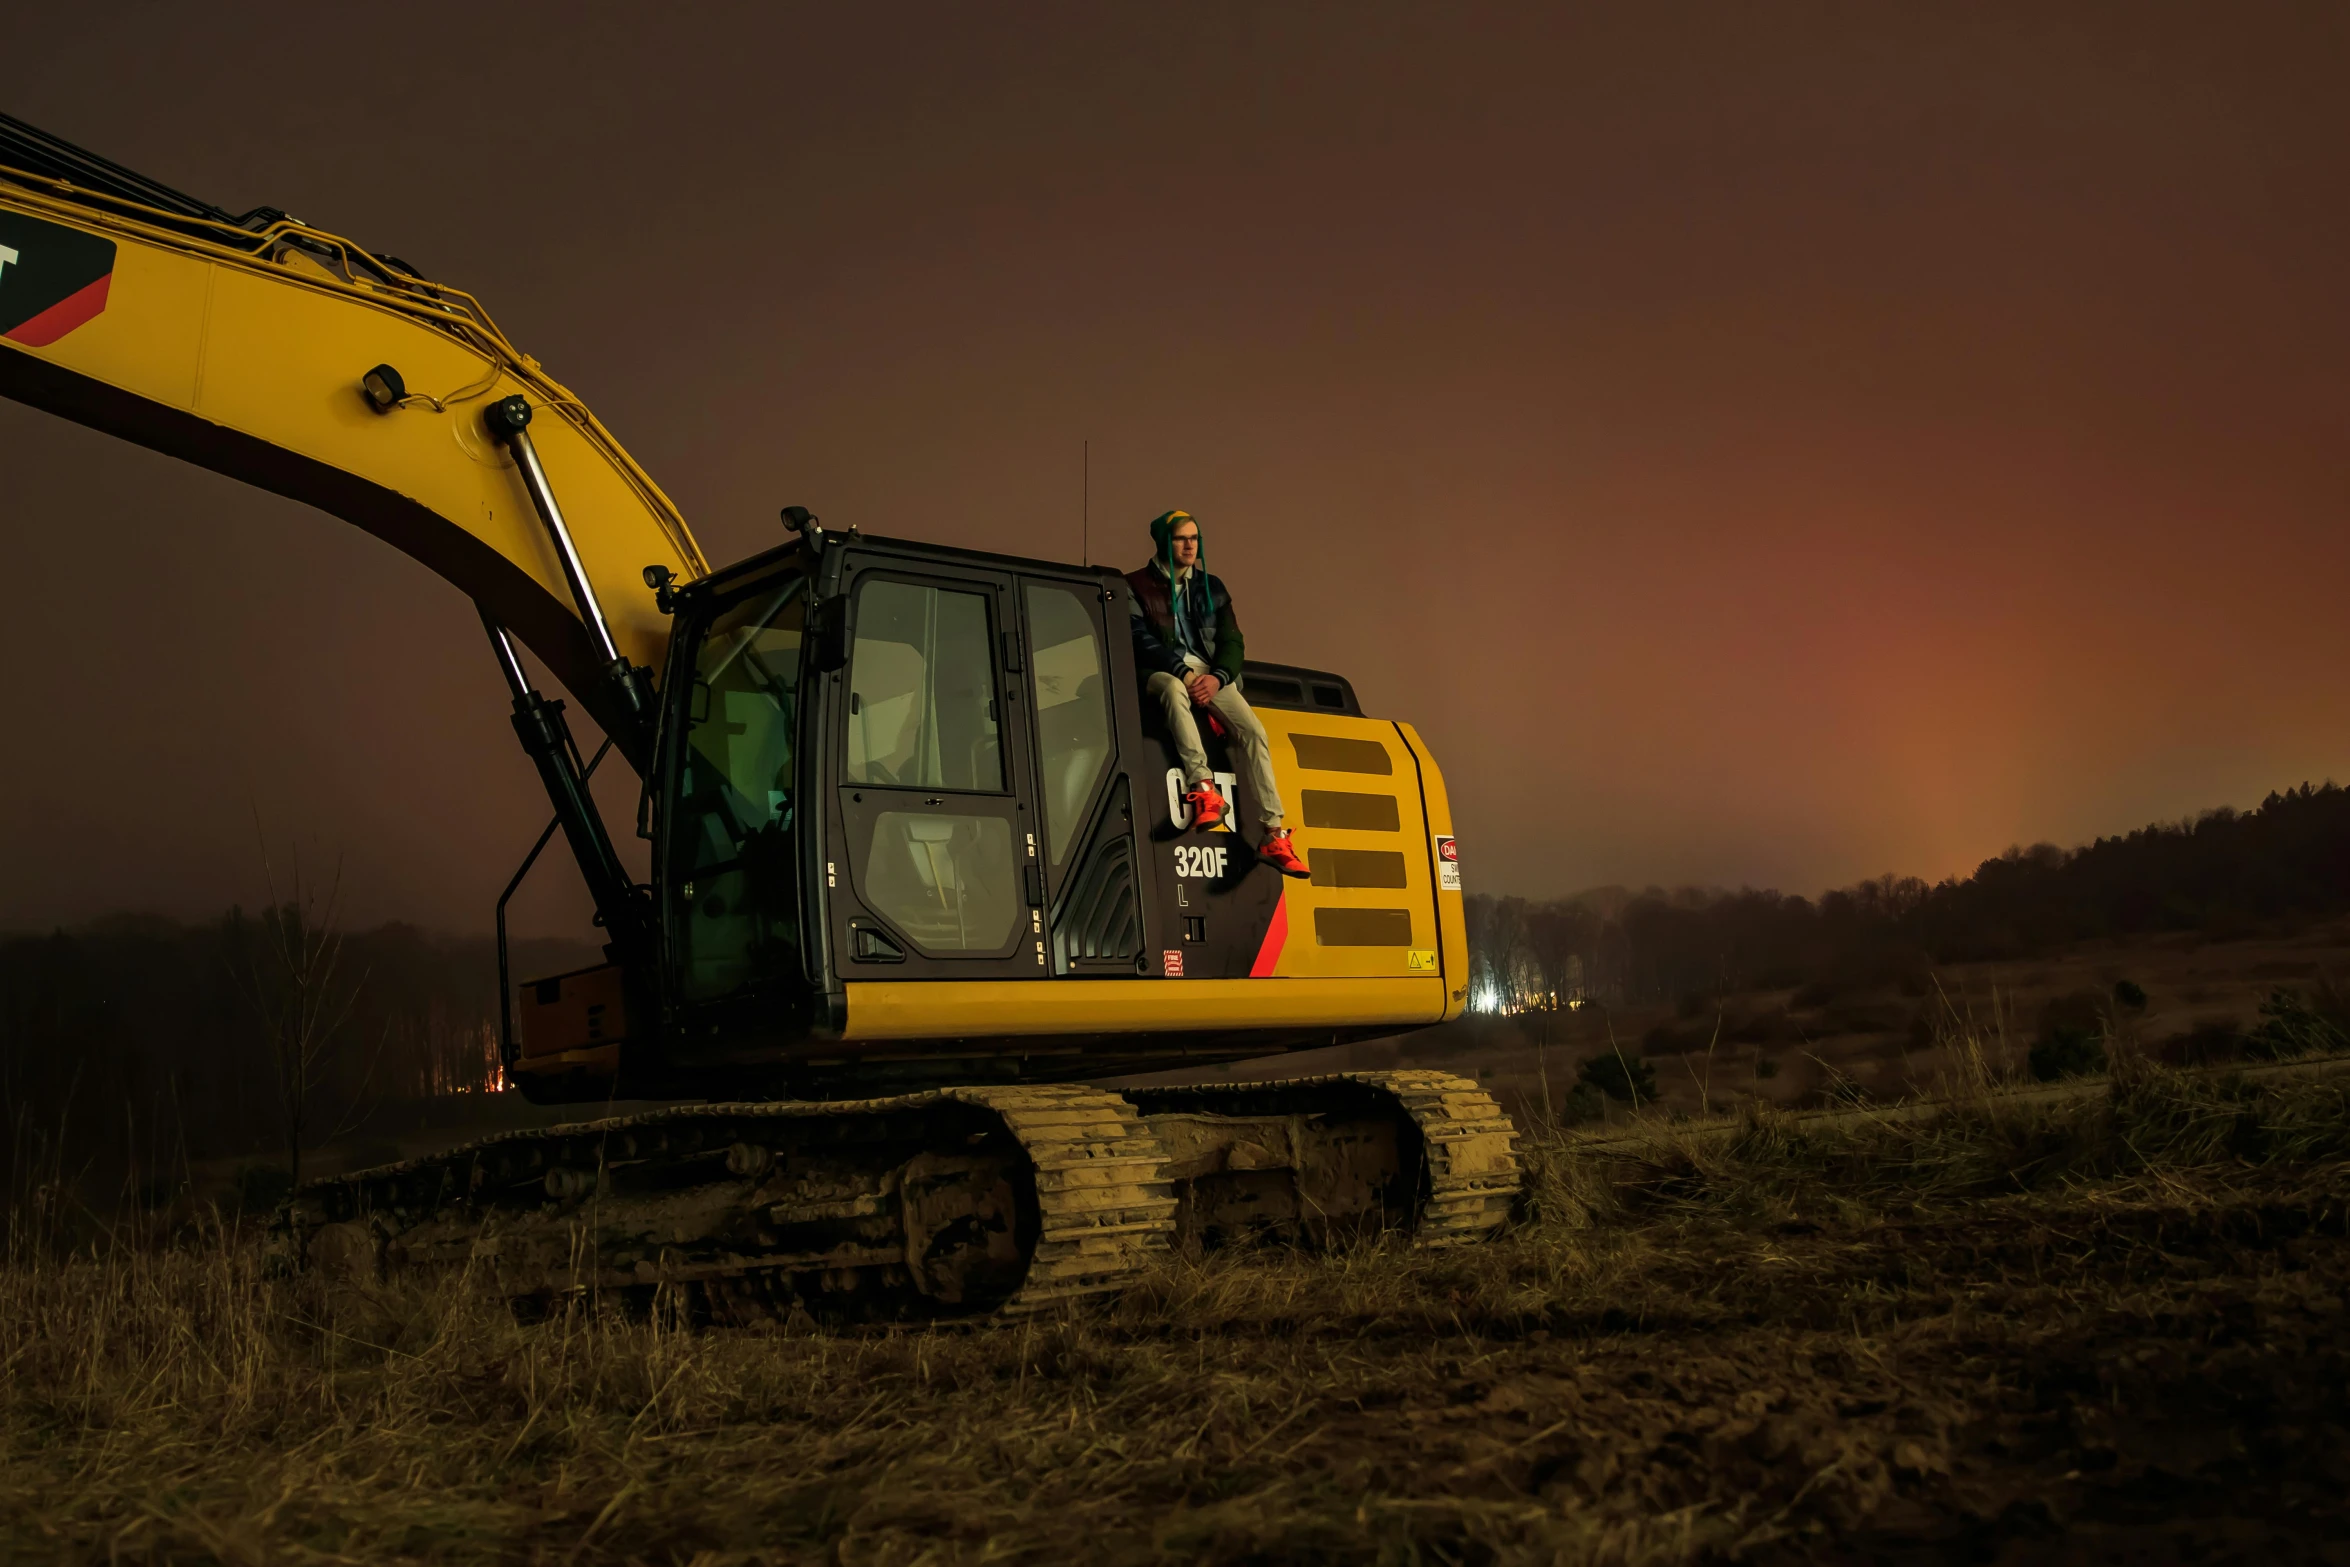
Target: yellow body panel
(979, 1009)
(1451, 913)
(1411, 982)
(205, 343)
(1303, 954)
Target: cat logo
(1227, 785)
(52, 279)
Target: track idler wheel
(1322, 1159)
(961, 1214)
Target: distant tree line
(132, 1046)
(135, 1045)
(2222, 874)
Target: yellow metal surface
(1364, 794)
(1453, 949)
(584, 1010)
(978, 1009)
(251, 366)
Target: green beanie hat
(1163, 537)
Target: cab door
(933, 870)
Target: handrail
(509, 1052)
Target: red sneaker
(1206, 805)
(1278, 852)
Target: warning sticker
(1420, 960)
(1448, 864)
(1172, 961)
(52, 278)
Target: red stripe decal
(62, 317)
(1276, 934)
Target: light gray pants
(1255, 751)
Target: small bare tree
(289, 968)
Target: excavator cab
(912, 823)
(969, 747)
(925, 787)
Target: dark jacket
(1199, 619)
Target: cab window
(1072, 709)
(731, 853)
(942, 867)
(921, 691)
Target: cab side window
(732, 853)
(1072, 709)
(922, 717)
(921, 692)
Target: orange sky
(1753, 444)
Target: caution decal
(52, 278)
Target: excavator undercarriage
(949, 1202)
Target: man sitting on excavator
(1188, 646)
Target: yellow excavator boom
(248, 351)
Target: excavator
(921, 872)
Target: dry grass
(2113, 1325)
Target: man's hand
(1203, 688)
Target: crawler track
(958, 1201)
(944, 1202)
(1100, 1175)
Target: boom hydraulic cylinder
(508, 422)
(540, 725)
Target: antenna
(1085, 505)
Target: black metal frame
(1318, 690)
(692, 609)
(509, 1051)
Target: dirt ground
(2112, 1328)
